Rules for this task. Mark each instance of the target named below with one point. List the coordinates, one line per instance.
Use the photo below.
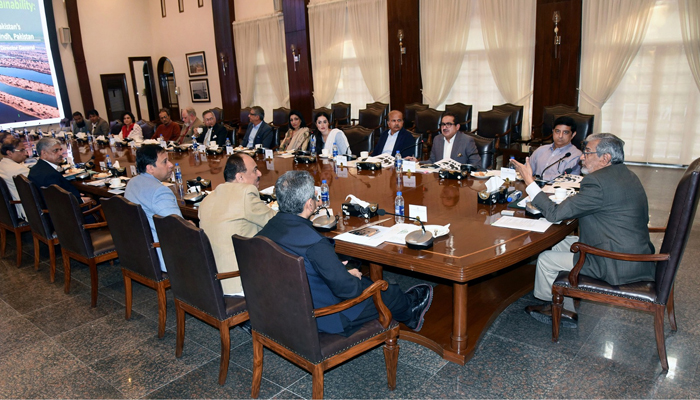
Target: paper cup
(115, 182)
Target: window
(351, 86)
(263, 95)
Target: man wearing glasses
(613, 214)
(549, 161)
(258, 132)
(451, 143)
(47, 170)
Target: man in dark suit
(329, 280)
(451, 143)
(613, 214)
(46, 171)
(395, 138)
(214, 132)
(258, 132)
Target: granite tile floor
(53, 345)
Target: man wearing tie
(550, 161)
(214, 132)
(258, 132)
(395, 138)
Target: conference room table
(479, 269)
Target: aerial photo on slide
(26, 85)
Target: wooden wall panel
(556, 79)
(300, 78)
(223, 14)
(404, 78)
(79, 55)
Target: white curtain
(327, 34)
(508, 28)
(613, 31)
(367, 20)
(272, 45)
(444, 30)
(690, 29)
(245, 40)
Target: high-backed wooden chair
(516, 119)
(409, 115)
(341, 113)
(463, 113)
(377, 105)
(371, 118)
(284, 320)
(486, 148)
(90, 244)
(542, 132)
(495, 124)
(10, 221)
(427, 125)
(138, 257)
(315, 112)
(38, 217)
(195, 283)
(655, 296)
(359, 138)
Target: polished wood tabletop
(483, 268)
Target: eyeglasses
(585, 153)
(447, 124)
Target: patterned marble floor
(53, 345)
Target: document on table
(373, 241)
(525, 224)
(397, 233)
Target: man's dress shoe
(421, 297)
(543, 314)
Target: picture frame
(196, 64)
(181, 5)
(199, 90)
(162, 8)
(200, 3)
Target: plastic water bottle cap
(323, 181)
(177, 164)
(398, 193)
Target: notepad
(525, 224)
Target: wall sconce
(224, 62)
(401, 48)
(177, 90)
(557, 39)
(295, 56)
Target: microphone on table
(419, 240)
(325, 223)
(412, 146)
(554, 163)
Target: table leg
(376, 272)
(459, 317)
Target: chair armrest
(585, 249)
(95, 226)
(15, 202)
(373, 290)
(87, 203)
(155, 245)
(226, 275)
(657, 229)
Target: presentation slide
(29, 94)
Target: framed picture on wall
(196, 64)
(199, 88)
(162, 8)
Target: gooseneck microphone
(325, 223)
(419, 240)
(567, 155)
(411, 146)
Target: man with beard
(78, 124)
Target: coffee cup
(200, 130)
(326, 152)
(115, 182)
(364, 154)
(560, 193)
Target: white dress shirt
(8, 169)
(447, 151)
(390, 142)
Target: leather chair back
(316, 111)
(341, 113)
(551, 113)
(277, 294)
(147, 128)
(8, 212)
(584, 127)
(427, 121)
(409, 115)
(359, 138)
(191, 268)
(371, 118)
(33, 204)
(516, 120)
(115, 128)
(463, 113)
(486, 148)
(377, 105)
(280, 116)
(680, 223)
(68, 221)
(132, 237)
(218, 113)
(495, 122)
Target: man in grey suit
(453, 144)
(147, 188)
(613, 214)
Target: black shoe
(543, 314)
(421, 297)
(245, 326)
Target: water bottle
(194, 145)
(325, 194)
(335, 150)
(162, 142)
(398, 208)
(53, 133)
(108, 161)
(178, 174)
(514, 195)
(312, 144)
(399, 161)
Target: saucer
(558, 201)
(437, 230)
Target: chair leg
(225, 351)
(162, 308)
(391, 359)
(36, 253)
(127, 295)
(66, 272)
(18, 240)
(257, 366)
(671, 310)
(93, 282)
(557, 303)
(52, 261)
(317, 382)
(180, 320)
(659, 331)
(3, 241)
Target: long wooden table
(480, 269)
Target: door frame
(153, 103)
(105, 92)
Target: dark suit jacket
(404, 140)
(613, 214)
(218, 134)
(265, 136)
(44, 175)
(463, 151)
